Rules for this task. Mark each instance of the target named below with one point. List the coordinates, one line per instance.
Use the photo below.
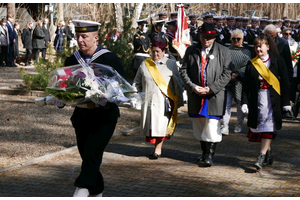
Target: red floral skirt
(256, 137)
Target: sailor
(141, 43)
(193, 27)
(94, 124)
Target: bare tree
(285, 9)
(136, 14)
(11, 9)
(119, 15)
(219, 8)
(60, 11)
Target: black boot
(203, 155)
(269, 158)
(259, 161)
(210, 152)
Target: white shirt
(205, 51)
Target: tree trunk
(136, 14)
(60, 12)
(219, 8)
(119, 19)
(285, 9)
(11, 9)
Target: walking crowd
(227, 62)
(230, 61)
(35, 38)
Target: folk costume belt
(166, 90)
(266, 73)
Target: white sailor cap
(82, 26)
(142, 21)
(218, 18)
(193, 16)
(172, 22)
(173, 14)
(208, 15)
(254, 19)
(263, 20)
(160, 22)
(287, 20)
(162, 14)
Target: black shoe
(154, 156)
(210, 149)
(203, 155)
(288, 114)
(26, 64)
(268, 159)
(14, 65)
(259, 162)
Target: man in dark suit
(12, 40)
(205, 73)
(47, 36)
(283, 48)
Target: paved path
(129, 173)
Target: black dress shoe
(14, 65)
(288, 114)
(154, 156)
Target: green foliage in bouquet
(123, 46)
(39, 80)
(73, 95)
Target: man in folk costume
(94, 124)
(141, 43)
(205, 73)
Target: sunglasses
(288, 34)
(236, 39)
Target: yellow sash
(266, 73)
(166, 90)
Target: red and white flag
(182, 38)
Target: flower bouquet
(295, 57)
(94, 82)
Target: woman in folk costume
(205, 73)
(159, 79)
(265, 95)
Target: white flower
(211, 57)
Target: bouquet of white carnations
(94, 82)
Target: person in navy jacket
(12, 40)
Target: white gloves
(135, 101)
(287, 108)
(244, 108)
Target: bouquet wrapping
(94, 82)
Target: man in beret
(205, 73)
(94, 124)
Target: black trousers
(10, 54)
(3, 55)
(93, 128)
(28, 55)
